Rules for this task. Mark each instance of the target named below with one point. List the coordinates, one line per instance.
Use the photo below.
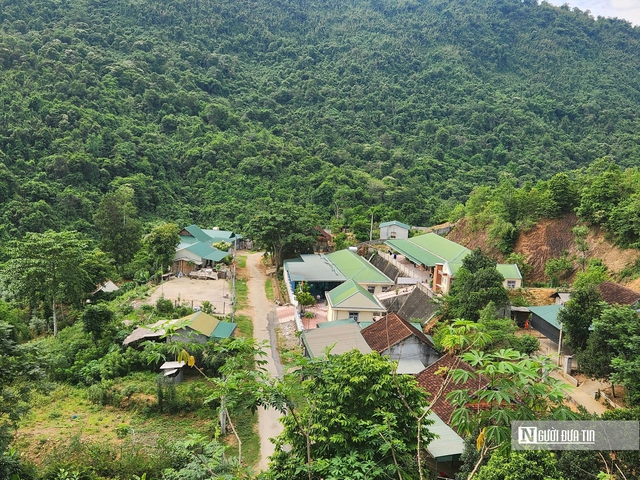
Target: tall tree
(20, 375)
(477, 283)
(283, 229)
(49, 267)
(116, 222)
(577, 315)
(161, 243)
(352, 418)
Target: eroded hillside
(549, 238)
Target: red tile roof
(435, 375)
(391, 330)
(612, 293)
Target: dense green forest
(396, 108)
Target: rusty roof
(391, 330)
(613, 293)
(435, 376)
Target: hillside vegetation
(396, 108)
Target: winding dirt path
(264, 317)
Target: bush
(164, 306)
(527, 344)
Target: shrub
(527, 344)
(164, 306)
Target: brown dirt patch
(536, 296)
(549, 238)
(473, 236)
(193, 292)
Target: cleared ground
(194, 292)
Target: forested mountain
(204, 107)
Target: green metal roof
(349, 290)
(217, 235)
(224, 330)
(206, 251)
(197, 232)
(549, 313)
(414, 253)
(216, 255)
(509, 270)
(395, 222)
(354, 267)
(440, 246)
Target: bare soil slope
(549, 238)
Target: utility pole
(233, 278)
(371, 230)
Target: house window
(353, 316)
(511, 284)
(392, 234)
(371, 289)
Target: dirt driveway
(193, 292)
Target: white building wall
(393, 231)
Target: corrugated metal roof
(313, 268)
(413, 252)
(214, 234)
(509, 270)
(354, 267)
(447, 444)
(440, 246)
(352, 295)
(409, 366)
(202, 322)
(197, 232)
(344, 338)
(395, 222)
(549, 313)
(224, 330)
(346, 321)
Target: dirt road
(264, 317)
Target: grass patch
(67, 412)
(242, 294)
(242, 261)
(245, 424)
(245, 325)
(268, 289)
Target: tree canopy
(350, 417)
(477, 283)
(50, 267)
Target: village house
(393, 230)
(196, 249)
(198, 327)
(401, 341)
(442, 258)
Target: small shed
(545, 320)
(394, 229)
(561, 298)
(173, 370)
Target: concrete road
(263, 313)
